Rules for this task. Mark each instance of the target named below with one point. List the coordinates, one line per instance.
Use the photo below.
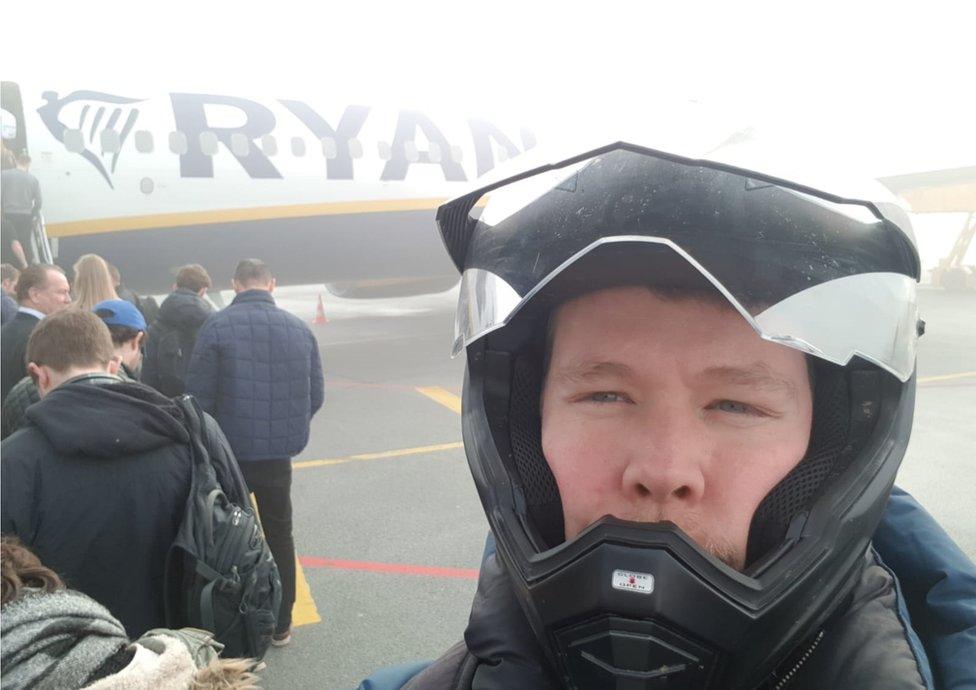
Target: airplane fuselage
(325, 191)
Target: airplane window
(147, 185)
(298, 146)
(434, 152)
(329, 149)
(177, 143)
(110, 141)
(410, 151)
(384, 150)
(269, 145)
(74, 140)
(208, 143)
(456, 153)
(144, 141)
(239, 144)
(355, 148)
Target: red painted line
(390, 568)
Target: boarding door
(14, 131)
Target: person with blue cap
(128, 328)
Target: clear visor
(832, 278)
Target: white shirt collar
(32, 312)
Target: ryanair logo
(95, 125)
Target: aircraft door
(12, 125)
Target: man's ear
(238, 288)
(272, 284)
(41, 376)
(201, 292)
(113, 365)
(140, 339)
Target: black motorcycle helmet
(635, 605)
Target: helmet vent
(525, 429)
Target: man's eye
(736, 407)
(605, 397)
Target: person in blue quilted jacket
(256, 369)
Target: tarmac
(388, 526)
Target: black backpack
(169, 348)
(220, 575)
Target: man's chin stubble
(719, 547)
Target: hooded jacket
(183, 312)
(96, 485)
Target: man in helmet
(688, 391)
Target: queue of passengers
(99, 468)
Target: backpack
(171, 358)
(220, 574)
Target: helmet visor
(831, 277)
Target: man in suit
(41, 290)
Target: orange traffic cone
(320, 319)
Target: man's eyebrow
(758, 376)
(586, 370)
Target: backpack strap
(193, 421)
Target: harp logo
(91, 123)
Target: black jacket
(96, 485)
(865, 647)
(24, 394)
(9, 308)
(175, 328)
(13, 350)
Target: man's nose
(667, 462)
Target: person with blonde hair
(93, 282)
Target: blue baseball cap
(118, 312)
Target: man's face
(660, 409)
(54, 295)
(130, 352)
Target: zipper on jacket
(799, 662)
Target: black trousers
(270, 482)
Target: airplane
(324, 191)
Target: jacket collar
(253, 296)
(31, 312)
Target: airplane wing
(936, 191)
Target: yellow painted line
(948, 377)
(303, 611)
(232, 215)
(377, 456)
(445, 398)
